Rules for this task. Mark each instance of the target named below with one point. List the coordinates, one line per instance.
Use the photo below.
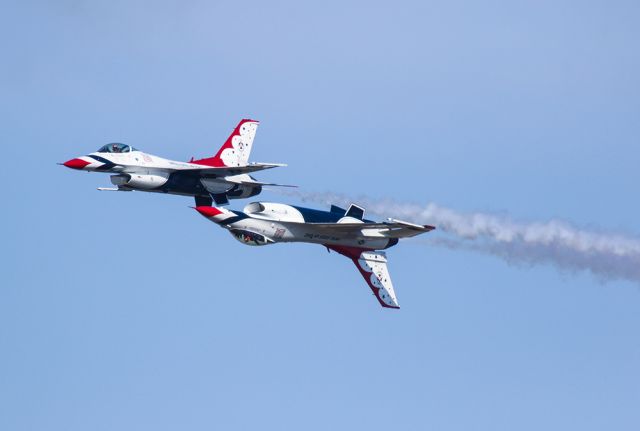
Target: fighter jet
(214, 179)
(344, 231)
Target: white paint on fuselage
(277, 231)
(147, 171)
(273, 211)
(137, 161)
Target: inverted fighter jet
(343, 231)
(214, 179)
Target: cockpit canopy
(116, 148)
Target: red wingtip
(76, 164)
(208, 212)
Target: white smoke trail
(606, 255)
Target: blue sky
(129, 311)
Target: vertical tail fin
(236, 149)
(373, 267)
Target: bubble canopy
(116, 148)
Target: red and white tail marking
(373, 267)
(236, 149)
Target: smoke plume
(606, 255)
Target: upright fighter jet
(344, 231)
(214, 179)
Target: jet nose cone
(208, 212)
(76, 164)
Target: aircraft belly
(271, 230)
(184, 185)
(214, 186)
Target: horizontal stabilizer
(421, 227)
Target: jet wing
(217, 172)
(373, 267)
(391, 229)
